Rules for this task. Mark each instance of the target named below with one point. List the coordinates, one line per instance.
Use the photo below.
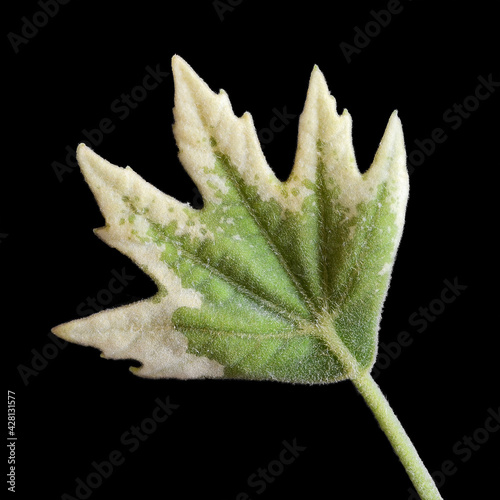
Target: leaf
(270, 280)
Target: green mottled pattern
(267, 278)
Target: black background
(77, 406)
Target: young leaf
(269, 280)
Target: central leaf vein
(229, 170)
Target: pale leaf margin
(142, 331)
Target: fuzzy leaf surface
(270, 280)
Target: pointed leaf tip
(389, 166)
(94, 167)
(319, 96)
(81, 148)
(317, 77)
(178, 63)
(184, 75)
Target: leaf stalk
(401, 443)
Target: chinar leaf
(270, 280)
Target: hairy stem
(415, 468)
